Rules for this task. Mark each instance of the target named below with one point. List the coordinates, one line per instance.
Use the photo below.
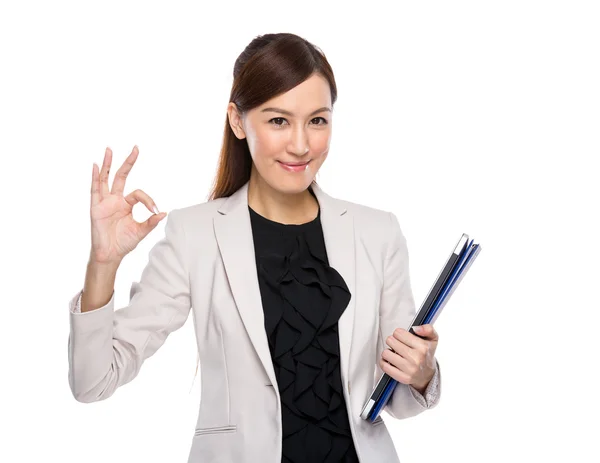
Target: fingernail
(155, 209)
(417, 328)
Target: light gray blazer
(206, 261)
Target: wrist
(421, 387)
(99, 285)
(102, 267)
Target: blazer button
(349, 389)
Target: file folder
(456, 267)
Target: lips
(294, 166)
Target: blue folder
(448, 280)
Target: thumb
(156, 218)
(151, 223)
(426, 331)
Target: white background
(472, 117)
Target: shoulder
(378, 226)
(364, 212)
(196, 215)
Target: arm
(396, 310)
(97, 289)
(106, 347)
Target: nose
(299, 144)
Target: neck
(296, 208)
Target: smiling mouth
(294, 167)
(294, 164)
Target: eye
(277, 121)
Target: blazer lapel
(233, 231)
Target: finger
(396, 374)
(150, 224)
(96, 195)
(137, 196)
(401, 349)
(426, 331)
(409, 339)
(397, 360)
(105, 171)
(121, 175)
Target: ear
(235, 121)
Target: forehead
(303, 99)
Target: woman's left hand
(412, 360)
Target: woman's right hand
(114, 231)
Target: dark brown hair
(270, 65)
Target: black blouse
(303, 298)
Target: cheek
(319, 144)
(320, 147)
(319, 160)
(266, 145)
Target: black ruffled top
(303, 298)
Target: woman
(298, 297)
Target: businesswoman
(299, 300)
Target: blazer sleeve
(107, 347)
(396, 310)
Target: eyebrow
(283, 111)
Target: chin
(292, 186)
